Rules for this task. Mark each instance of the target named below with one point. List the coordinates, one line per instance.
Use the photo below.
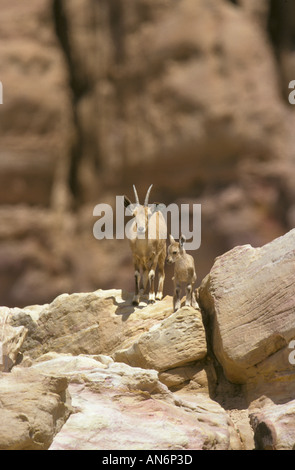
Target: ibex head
(175, 249)
(140, 212)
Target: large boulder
(11, 341)
(34, 406)
(87, 323)
(124, 408)
(177, 348)
(158, 81)
(174, 342)
(105, 322)
(273, 424)
(249, 297)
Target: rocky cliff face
(190, 96)
(217, 378)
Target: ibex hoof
(152, 299)
(159, 296)
(177, 307)
(135, 300)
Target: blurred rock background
(190, 95)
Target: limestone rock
(199, 70)
(87, 323)
(11, 341)
(124, 408)
(177, 340)
(273, 424)
(198, 376)
(249, 296)
(33, 409)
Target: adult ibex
(147, 236)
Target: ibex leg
(161, 266)
(176, 297)
(188, 292)
(152, 286)
(137, 276)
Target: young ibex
(147, 236)
(184, 272)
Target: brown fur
(148, 253)
(184, 272)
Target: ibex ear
(182, 241)
(129, 206)
(157, 207)
(172, 240)
(127, 202)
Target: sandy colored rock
(177, 340)
(273, 424)
(33, 409)
(11, 341)
(198, 377)
(88, 323)
(128, 408)
(250, 297)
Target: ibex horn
(146, 201)
(136, 195)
